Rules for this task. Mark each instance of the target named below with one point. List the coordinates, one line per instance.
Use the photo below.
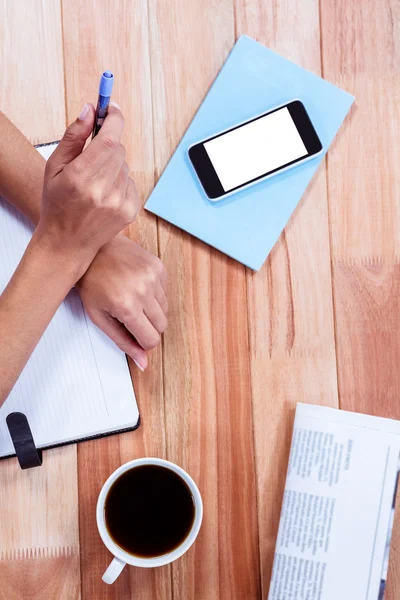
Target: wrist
(108, 250)
(67, 264)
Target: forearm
(37, 288)
(21, 171)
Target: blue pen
(105, 89)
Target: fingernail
(84, 112)
(115, 104)
(138, 365)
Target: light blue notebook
(246, 225)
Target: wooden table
(319, 323)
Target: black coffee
(149, 511)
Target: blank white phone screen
(255, 149)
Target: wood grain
(126, 53)
(363, 186)
(364, 211)
(242, 348)
(31, 66)
(39, 528)
(43, 575)
(31, 517)
(291, 328)
(39, 532)
(206, 375)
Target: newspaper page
(338, 507)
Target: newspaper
(337, 513)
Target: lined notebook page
(77, 382)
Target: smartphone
(250, 152)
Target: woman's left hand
(124, 294)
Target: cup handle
(114, 570)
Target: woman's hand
(87, 200)
(88, 197)
(124, 293)
(123, 289)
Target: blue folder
(247, 224)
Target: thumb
(73, 141)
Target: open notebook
(77, 383)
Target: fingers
(73, 141)
(122, 181)
(132, 198)
(103, 146)
(113, 124)
(121, 337)
(143, 331)
(111, 169)
(117, 189)
(156, 315)
(164, 279)
(162, 300)
(125, 191)
(122, 191)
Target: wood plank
(367, 305)
(39, 526)
(290, 299)
(363, 184)
(365, 217)
(207, 378)
(40, 575)
(31, 64)
(126, 53)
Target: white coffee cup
(122, 558)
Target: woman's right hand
(88, 196)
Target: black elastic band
(27, 453)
